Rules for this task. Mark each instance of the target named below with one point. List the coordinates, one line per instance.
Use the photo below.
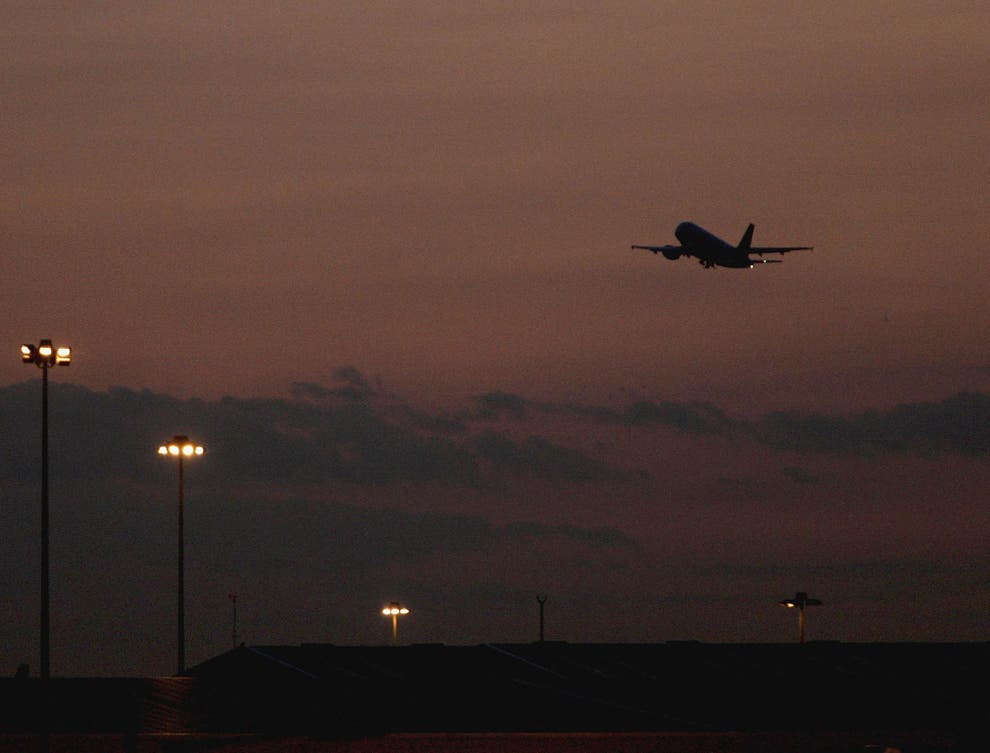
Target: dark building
(860, 692)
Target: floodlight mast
(393, 610)
(180, 447)
(799, 602)
(45, 355)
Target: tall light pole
(799, 602)
(233, 601)
(542, 600)
(181, 448)
(393, 610)
(45, 355)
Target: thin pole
(233, 600)
(542, 600)
(45, 579)
(801, 623)
(395, 627)
(182, 580)
(45, 570)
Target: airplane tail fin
(747, 239)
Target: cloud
(339, 535)
(540, 457)
(956, 425)
(346, 432)
(352, 432)
(604, 536)
(312, 505)
(354, 386)
(800, 475)
(496, 404)
(695, 417)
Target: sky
(375, 257)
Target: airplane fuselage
(710, 249)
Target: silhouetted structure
(541, 600)
(799, 602)
(547, 687)
(393, 610)
(180, 448)
(45, 356)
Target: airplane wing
(664, 249)
(777, 249)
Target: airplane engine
(672, 255)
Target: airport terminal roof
(596, 687)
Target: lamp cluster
(800, 601)
(180, 445)
(393, 610)
(45, 354)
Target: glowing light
(393, 610)
(45, 354)
(800, 601)
(180, 446)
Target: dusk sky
(376, 258)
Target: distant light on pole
(185, 449)
(393, 610)
(45, 355)
(799, 602)
(180, 447)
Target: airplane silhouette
(712, 251)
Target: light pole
(181, 448)
(233, 601)
(799, 602)
(393, 610)
(43, 356)
(542, 600)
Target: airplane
(712, 251)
